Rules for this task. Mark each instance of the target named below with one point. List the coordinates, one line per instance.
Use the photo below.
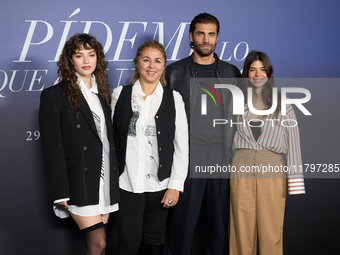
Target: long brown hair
(67, 73)
(145, 45)
(267, 89)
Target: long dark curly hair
(267, 89)
(67, 73)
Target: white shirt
(103, 207)
(142, 160)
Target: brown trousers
(257, 203)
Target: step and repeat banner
(300, 37)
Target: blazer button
(160, 165)
(159, 132)
(85, 148)
(78, 126)
(85, 168)
(156, 117)
(160, 149)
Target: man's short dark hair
(205, 18)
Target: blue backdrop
(300, 37)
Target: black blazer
(72, 149)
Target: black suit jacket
(72, 149)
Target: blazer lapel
(87, 113)
(107, 114)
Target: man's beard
(201, 52)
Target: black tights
(95, 239)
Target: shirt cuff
(176, 185)
(296, 185)
(61, 200)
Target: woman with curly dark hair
(77, 140)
